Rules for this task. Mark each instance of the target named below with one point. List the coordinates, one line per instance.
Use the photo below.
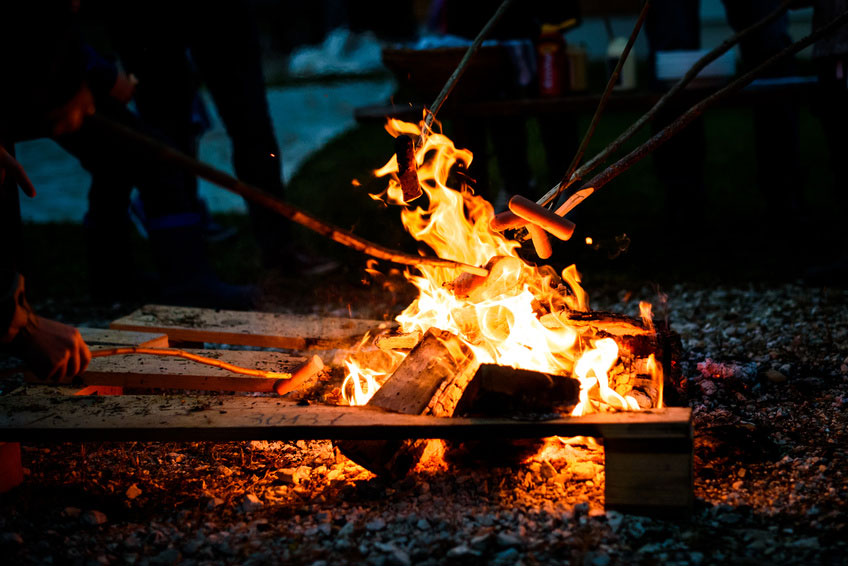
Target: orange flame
(519, 314)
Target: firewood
(439, 357)
(405, 341)
(513, 393)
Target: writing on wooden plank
(226, 417)
(165, 372)
(270, 330)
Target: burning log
(514, 393)
(507, 391)
(405, 341)
(430, 380)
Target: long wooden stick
(254, 194)
(599, 111)
(687, 117)
(460, 69)
(693, 72)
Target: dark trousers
(219, 43)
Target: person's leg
(175, 225)
(225, 48)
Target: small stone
(708, 388)
(251, 503)
(167, 556)
(213, 502)
(11, 538)
(508, 556)
(94, 517)
(191, 547)
(462, 551)
(346, 530)
(546, 470)
(422, 524)
(394, 555)
(377, 524)
(583, 471)
(133, 491)
(506, 540)
(72, 512)
(775, 376)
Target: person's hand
(52, 350)
(124, 87)
(10, 166)
(69, 117)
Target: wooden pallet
(266, 330)
(648, 454)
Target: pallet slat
(214, 417)
(267, 330)
(103, 338)
(137, 371)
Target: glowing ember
(516, 316)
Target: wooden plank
(649, 476)
(165, 372)
(220, 417)
(103, 338)
(268, 330)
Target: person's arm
(52, 350)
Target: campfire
(523, 334)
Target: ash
(765, 370)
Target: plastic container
(551, 62)
(627, 77)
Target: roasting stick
(684, 119)
(404, 146)
(460, 69)
(254, 194)
(509, 219)
(285, 381)
(696, 68)
(599, 111)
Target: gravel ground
(765, 371)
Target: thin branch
(693, 72)
(581, 151)
(460, 69)
(254, 194)
(687, 117)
